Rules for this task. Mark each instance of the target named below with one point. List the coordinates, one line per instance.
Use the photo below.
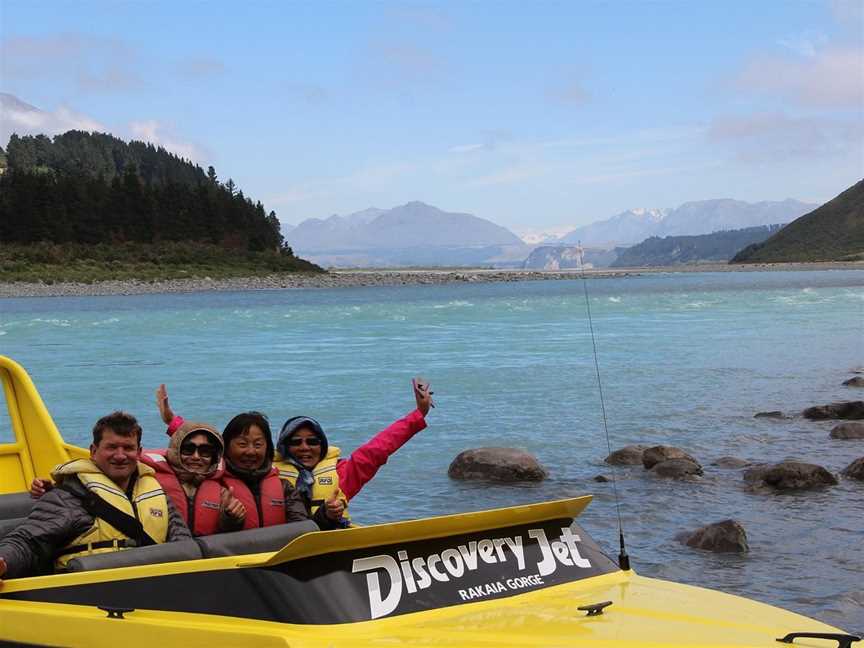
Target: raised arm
(172, 420)
(365, 461)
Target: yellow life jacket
(149, 505)
(326, 479)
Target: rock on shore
(497, 464)
(774, 414)
(855, 470)
(789, 475)
(332, 279)
(656, 454)
(849, 430)
(857, 381)
(677, 468)
(722, 537)
(630, 455)
(845, 410)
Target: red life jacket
(269, 509)
(203, 519)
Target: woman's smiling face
(197, 453)
(305, 446)
(249, 449)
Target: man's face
(116, 456)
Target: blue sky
(530, 114)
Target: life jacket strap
(102, 544)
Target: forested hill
(673, 250)
(95, 188)
(832, 232)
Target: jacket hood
(291, 426)
(172, 454)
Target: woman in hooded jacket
(316, 469)
(190, 472)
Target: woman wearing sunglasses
(308, 462)
(190, 472)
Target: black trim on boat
(361, 584)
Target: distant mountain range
(691, 218)
(705, 248)
(420, 234)
(833, 232)
(410, 234)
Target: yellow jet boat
(519, 576)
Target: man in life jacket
(109, 502)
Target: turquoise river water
(686, 360)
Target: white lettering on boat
(451, 564)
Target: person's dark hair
(241, 423)
(120, 423)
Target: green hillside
(69, 204)
(832, 232)
(674, 250)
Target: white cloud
(159, 134)
(94, 63)
(24, 119)
(778, 136)
(466, 148)
(804, 44)
(832, 78)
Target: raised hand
(39, 487)
(423, 395)
(231, 505)
(334, 507)
(165, 410)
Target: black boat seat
(161, 553)
(252, 541)
(15, 505)
(7, 525)
(215, 546)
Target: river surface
(685, 359)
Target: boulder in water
(849, 430)
(855, 470)
(789, 475)
(497, 464)
(630, 455)
(845, 410)
(677, 468)
(774, 414)
(857, 381)
(656, 454)
(723, 537)
(601, 479)
(731, 462)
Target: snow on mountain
(547, 234)
(692, 218)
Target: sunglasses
(204, 450)
(296, 442)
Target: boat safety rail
(843, 640)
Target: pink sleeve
(365, 461)
(174, 425)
